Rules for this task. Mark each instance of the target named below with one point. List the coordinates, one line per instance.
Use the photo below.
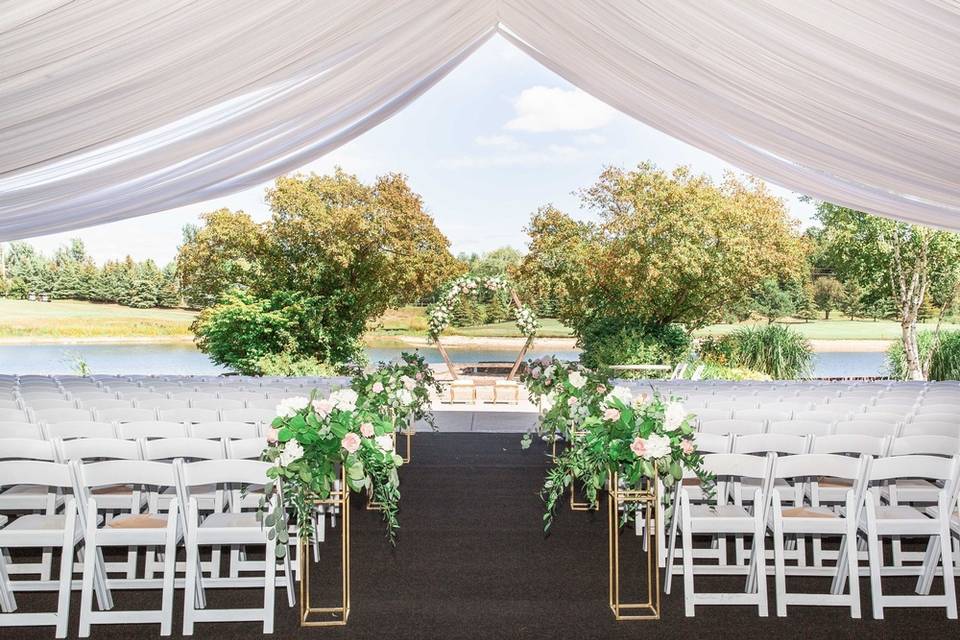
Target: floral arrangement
(441, 313)
(308, 442)
(637, 439)
(400, 390)
(567, 394)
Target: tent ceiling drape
(113, 109)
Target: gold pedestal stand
(578, 505)
(647, 501)
(338, 498)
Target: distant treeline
(71, 273)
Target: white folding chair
(43, 531)
(216, 404)
(84, 429)
(189, 415)
(123, 414)
(53, 416)
(229, 430)
(16, 415)
(234, 528)
(897, 520)
(730, 519)
(151, 429)
(800, 427)
(919, 427)
(737, 427)
(799, 519)
(133, 529)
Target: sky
(493, 141)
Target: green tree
(851, 302)
(338, 251)
(908, 262)
(771, 301)
(827, 293)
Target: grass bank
(23, 321)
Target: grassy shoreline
(75, 322)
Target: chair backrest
(98, 404)
(231, 430)
(124, 414)
(187, 448)
(165, 404)
(27, 449)
(771, 442)
(223, 471)
(821, 415)
(800, 427)
(733, 426)
(84, 429)
(761, 415)
(949, 429)
(53, 416)
(866, 428)
(189, 415)
(89, 476)
(245, 448)
(27, 430)
(933, 445)
(706, 442)
(940, 407)
(936, 417)
(809, 465)
(96, 449)
(216, 404)
(913, 466)
(854, 444)
(14, 415)
(739, 465)
(151, 429)
(251, 415)
(34, 472)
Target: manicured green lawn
(837, 328)
(75, 319)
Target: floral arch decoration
(440, 314)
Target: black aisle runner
(472, 562)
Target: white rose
(577, 380)
(657, 446)
(548, 400)
(291, 451)
(673, 416)
(405, 397)
(344, 399)
(622, 393)
(385, 442)
(408, 383)
(288, 407)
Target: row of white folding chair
(154, 529)
(124, 414)
(814, 519)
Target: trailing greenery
(775, 350)
(72, 274)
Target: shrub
(945, 363)
(288, 364)
(775, 350)
(719, 372)
(606, 342)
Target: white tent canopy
(111, 109)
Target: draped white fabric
(113, 109)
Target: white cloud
(541, 109)
(553, 154)
(501, 141)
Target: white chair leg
(90, 558)
(672, 546)
(269, 584)
(66, 574)
(853, 568)
(876, 565)
(759, 559)
(169, 573)
(780, 572)
(688, 604)
(191, 578)
(288, 572)
(8, 603)
(949, 587)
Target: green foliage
(827, 294)
(940, 354)
(497, 263)
(287, 364)
(619, 340)
(771, 301)
(469, 312)
(335, 254)
(718, 372)
(851, 302)
(774, 350)
(71, 274)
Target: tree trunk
(911, 351)
(826, 314)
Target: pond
(183, 358)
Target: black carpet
(472, 562)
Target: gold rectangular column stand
(649, 501)
(338, 498)
(577, 505)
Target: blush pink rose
(377, 387)
(601, 388)
(366, 429)
(611, 415)
(419, 376)
(272, 436)
(322, 407)
(535, 373)
(573, 401)
(639, 447)
(350, 442)
(687, 447)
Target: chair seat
(38, 522)
(138, 521)
(709, 512)
(114, 490)
(834, 483)
(809, 512)
(231, 521)
(899, 512)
